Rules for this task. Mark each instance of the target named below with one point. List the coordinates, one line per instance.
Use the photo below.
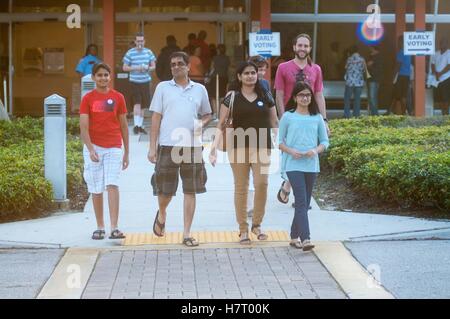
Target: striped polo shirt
(133, 58)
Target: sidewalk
(266, 270)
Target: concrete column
(108, 35)
(261, 11)
(400, 19)
(419, 68)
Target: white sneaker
(307, 245)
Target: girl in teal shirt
(302, 137)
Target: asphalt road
(25, 271)
(410, 265)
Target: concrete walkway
(340, 275)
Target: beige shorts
(98, 175)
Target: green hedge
(31, 129)
(24, 189)
(399, 159)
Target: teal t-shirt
(301, 132)
(86, 64)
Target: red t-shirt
(104, 110)
(288, 73)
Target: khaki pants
(242, 161)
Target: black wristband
(325, 120)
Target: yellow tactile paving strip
(137, 239)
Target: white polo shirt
(440, 61)
(180, 109)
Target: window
(293, 6)
(4, 6)
(124, 6)
(352, 6)
(388, 6)
(48, 6)
(170, 6)
(234, 6)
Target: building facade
(39, 51)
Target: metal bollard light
(55, 145)
(87, 84)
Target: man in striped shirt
(140, 62)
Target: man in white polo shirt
(175, 142)
(440, 65)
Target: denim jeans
(356, 92)
(302, 185)
(372, 90)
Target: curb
(71, 275)
(353, 278)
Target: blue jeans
(302, 185)
(356, 92)
(373, 96)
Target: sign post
(265, 43)
(419, 43)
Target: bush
(23, 186)
(24, 189)
(21, 130)
(31, 129)
(396, 158)
(344, 144)
(403, 175)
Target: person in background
(440, 66)
(219, 66)
(205, 54)
(262, 65)
(375, 68)
(139, 61)
(354, 81)
(189, 48)
(197, 69)
(212, 50)
(163, 63)
(402, 74)
(87, 62)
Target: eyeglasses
(302, 96)
(180, 64)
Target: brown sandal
(244, 239)
(190, 242)
(259, 234)
(162, 226)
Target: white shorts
(98, 175)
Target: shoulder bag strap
(231, 107)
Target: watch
(325, 120)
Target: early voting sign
(265, 43)
(418, 43)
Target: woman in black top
(253, 116)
